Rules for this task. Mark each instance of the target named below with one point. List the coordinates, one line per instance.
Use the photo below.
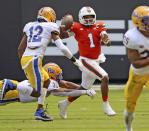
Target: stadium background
(15, 13)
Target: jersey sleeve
(101, 26)
(74, 27)
(129, 41)
(25, 28)
(54, 27)
(53, 85)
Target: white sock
(128, 119)
(41, 98)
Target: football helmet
(54, 71)
(47, 13)
(140, 17)
(87, 11)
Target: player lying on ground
(21, 91)
(89, 35)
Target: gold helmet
(47, 13)
(53, 70)
(140, 17)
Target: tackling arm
(64, 49)
(72, 92)
(60, 45)
(68, 92)
(68, 85)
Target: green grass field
(85, 114)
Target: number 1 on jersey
(92, 45)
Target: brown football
(67, 21)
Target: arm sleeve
(63, 48)
(74, 27)
(73, 93)
(27, 26)
(53, 85)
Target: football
(67, 21)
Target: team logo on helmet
(140, 17)
(54, 71)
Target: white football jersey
(53, 85)
(134, 39)
(25, 97)
(38, 37)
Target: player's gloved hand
(90, 92)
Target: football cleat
(128, 120)
(41, 114)
(7, 85)
(108, 109)
(2, 103)
(62, 105)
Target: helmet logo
(51, 71)
(136, 15)
(88, 9)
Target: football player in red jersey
(89, 35)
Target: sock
(105, 98)
(41, 98)
(71, 99)
(128, 119)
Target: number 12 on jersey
(35, 34)
(90, 36)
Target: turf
(85, 114)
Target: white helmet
(87, 11)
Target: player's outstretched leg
(41, 114)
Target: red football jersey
(88, 38)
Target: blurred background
(115, 13)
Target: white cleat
(108, 109)
(62, 105)
(128, 120)
(129, 129)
